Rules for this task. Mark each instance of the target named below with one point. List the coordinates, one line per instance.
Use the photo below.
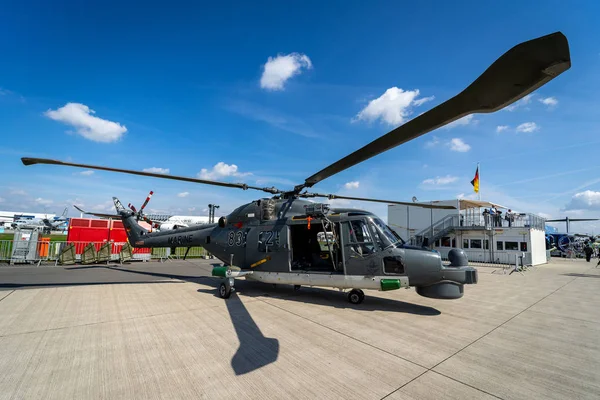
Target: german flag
(475, 181)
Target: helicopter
(288, 238)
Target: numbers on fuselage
(237, 238)
(268, 241)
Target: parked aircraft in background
(47, 223)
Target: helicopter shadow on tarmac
(255, 350)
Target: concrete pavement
(158, 330)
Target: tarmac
(158, 330)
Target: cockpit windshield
(387, 236)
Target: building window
(437, 243)
(453, 242)
(446, 241)
(523, 246)
(475, 243)
(511, 245)
(465, 243)
(487, 244)
(499, 245)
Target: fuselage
(276, 236)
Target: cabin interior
(315, 250)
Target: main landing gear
(226, 287)
(356, 296)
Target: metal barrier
(50, 251)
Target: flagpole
(479, 191)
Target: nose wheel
(225, 288)
(356, 296)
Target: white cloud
(392, 107)
(352, 185)
(157, 170)
(87, 125)
(528, 127)
(524, 101)
(462, 196)
(86, 173)
(423, 100)
(432, 143)
(221, 170)
(440, 180)
(457, 144)
(279, 69)
(4, 92)
(501, 128)
(42, 201)
(18, 192)
(106, 206)
(183, 194)
(587, 200)
(549, 101)
(464, 121)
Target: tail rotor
(140, 214)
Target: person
(510, 217)
(588, 251)
(492, 216)
(497, 217)
(486, 218)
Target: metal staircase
(440, 229)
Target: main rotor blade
(31, 161)
(572, 219)
(518, 72)
(98, 214)
(335, 196)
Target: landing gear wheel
(356, 296)
(297, 287)
(225, 289)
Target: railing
(522, 220)
(50, 251)
(437, 230)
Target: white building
(482, 237)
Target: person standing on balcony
(510, 217)
(486, 218)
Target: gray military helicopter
(285, 239)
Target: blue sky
(280, 92)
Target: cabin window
(499, 245)
(393, 265)
(475, 243)
(446, 241)
(361, 242)
(465, 243)
(511, 245)
(523, 246)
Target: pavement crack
(11, 292)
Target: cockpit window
(361, 240)
(384, 236)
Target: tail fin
(133, 229)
